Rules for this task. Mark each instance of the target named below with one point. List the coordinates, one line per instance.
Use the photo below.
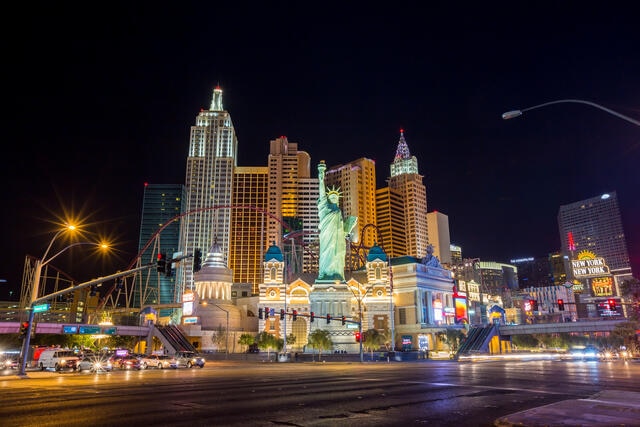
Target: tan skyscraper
(405, 188)
(438, 236)
(357, 183)
(249, 219)
(292, 201)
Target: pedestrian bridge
(587, 326)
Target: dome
(273, 252)
(376, 252)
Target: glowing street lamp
(35, 287)
(517, 113)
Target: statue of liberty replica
(334, 230)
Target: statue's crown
(335, 191)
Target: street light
(35, 287)
(517, 113)
(226, 345)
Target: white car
(94, 363)
(155, 361)
(187, 359)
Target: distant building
(438, 236)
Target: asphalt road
(227, 393)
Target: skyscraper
(160, 203)
(292, 201)
(211, 161)
(594, 226)
(405, 184)
(249, 225)
(357, 183)
(438, 236)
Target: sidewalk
(606, 408)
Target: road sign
(89, 330)
(40, 308)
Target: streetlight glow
(517, 113)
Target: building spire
(402, 152)
(216, 101)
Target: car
(129, 362)
(58, 359)
(9, 363)
(187, 359)
(590, 353)
(94, 363)
(155, 361)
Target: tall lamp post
(517, 113)
(35, 288)
(226, 345)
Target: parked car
(94, 363)
(155, 361)
(187, 359)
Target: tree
(219, 338)
(246, 340)
(372, 340)
(321, 340)
(626, 333)
(630, 290)
(267, 342)
(452, 338)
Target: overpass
(77, 328)
(586, 326)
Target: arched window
(378, 273)
(273, 274)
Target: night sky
(101, 101)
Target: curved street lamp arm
(45, 262)
(515, 113)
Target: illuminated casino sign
(602, 286)
(589, 265)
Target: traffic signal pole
(34, 301)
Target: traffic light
(260, 313)
(266, 313)
(328, 319)
(94, 289)
(344, 319)
(24, 326)
(161, 264)
(312, 316)
(560, 305)
(612, 304)
(294, 315)
(358, 336)
(197, 260)
(534, 305)
(168, 268)
(282, 314)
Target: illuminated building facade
(292, 196)
(357, 183)
(160, 203)
(438, 236)
(248, 224)
(211, 161)
(591, 232)
(406, 185)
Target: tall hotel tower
(249, 224)
(293, 195)
(595, 225)
(357, 183)
(160, 204)
(402, 207)
(212, 158)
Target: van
(58, 359)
